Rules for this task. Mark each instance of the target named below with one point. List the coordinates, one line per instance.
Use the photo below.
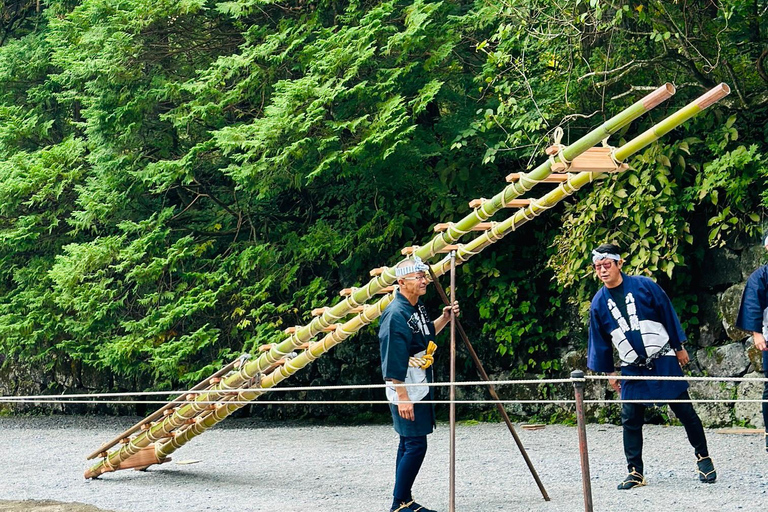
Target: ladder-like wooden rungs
(349, 291)
(513, 203)
(552, 178)
(291, 330)
(407, 251)
(320, 311)
(480, 226)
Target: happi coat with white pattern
(652, 326)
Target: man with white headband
(407, 338)
(753, 317)
(635, 316)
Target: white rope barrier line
(384, 402)
(380, 386)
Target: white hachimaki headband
(417, 266)
(597, 256)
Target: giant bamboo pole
(249, 371)
(363, 294)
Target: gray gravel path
(247, 466)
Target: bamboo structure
(183, 423)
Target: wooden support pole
(578, 386)
(452, 391)
(491, 388)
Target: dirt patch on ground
(46, 506)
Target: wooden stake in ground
(452, 414)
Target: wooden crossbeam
(480, 226)
(512, 203)
(349, 291)
(377, 271)
(552, 178)
(320, 311)
(291, 330)
(592, 160)
(407, 251)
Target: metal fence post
(577, 376)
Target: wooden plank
(480, 226)
(406, 251)
(552, 178)
(377, 271)
(741, 431)
(592, 160)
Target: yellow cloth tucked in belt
(426, 360)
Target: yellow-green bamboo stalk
(456, 230)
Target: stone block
(754, 355)
(710, 321)
(726, 361)
(751, 258)
(728, 305)
(720, 267)
(713, 414)
(750, 412)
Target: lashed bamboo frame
(249, 372)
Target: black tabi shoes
(634, 479)
(411, 506)
(706, 469)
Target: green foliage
(181, 180)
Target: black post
(577, 376)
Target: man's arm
(404, 405)
(443, 320)
(759, 340)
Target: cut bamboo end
(292, 330)
(346, 292)
(480, 226)
(713, 96)
(552, 178)
(663, 93)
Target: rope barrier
(81, 397)
(384, 402)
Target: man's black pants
(632, 419)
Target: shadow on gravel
(46, 506)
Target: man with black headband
(406, 336)
(634, 315)
(753, 317)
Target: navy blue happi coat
(652, 326)
(404, 331)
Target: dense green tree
(180, 180)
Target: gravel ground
(246, 466)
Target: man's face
(414, 283)
(609, 271)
